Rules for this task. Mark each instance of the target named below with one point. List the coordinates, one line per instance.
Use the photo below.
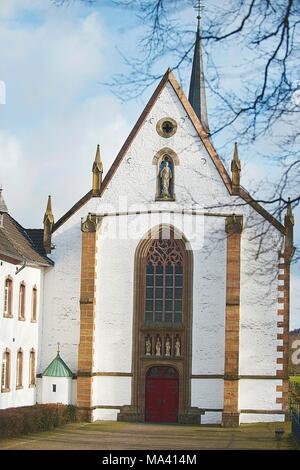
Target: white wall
(63, 392)
(259, 394)
(111, 391)
(62, 293)
(133, 187)
(258, 313)
(207, 393)
(15, 334)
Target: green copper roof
(58, 368)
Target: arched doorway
(161, 395)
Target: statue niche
(166, 178)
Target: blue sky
(56, 112)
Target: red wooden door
(162, 388)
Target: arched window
(32, 368)
(19, 383)
(163, 298)
(22, 293)
(164, 282)
(8, 297)
(34, 304)
(5, 373)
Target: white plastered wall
(15, 334)
(133, 187)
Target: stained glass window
(164, 282)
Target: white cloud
(56, 113)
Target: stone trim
(87, 314)
(112, 374)
(283, 313)
(264, 412)
(160, 130)
(233, 228)
(192, 377)
(165, 151)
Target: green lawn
(295, 379)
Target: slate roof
(17, 246)
(57, 368)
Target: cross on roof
(198, 7)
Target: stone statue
(177, 347)
(158, 347)
(168, 347)
(148, 346)
(166, 176)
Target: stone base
(192, 416)
(85, 414)
(131, 414)
(230, 420)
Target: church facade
(168, 302)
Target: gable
(200, 174)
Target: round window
(166, 127)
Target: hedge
(28, 419)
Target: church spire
(97, 173)
(197, 94)
(3, 206)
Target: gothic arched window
(164, 282)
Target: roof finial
(48, 226)
(289, 217)
(197, 94)
(236, 170)
(97, 173)
(3, 206)
(289, 222)
(58, 348)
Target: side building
(23, 262)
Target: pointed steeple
(236, 170)
(48, 226)
(3, 206)
(97, 173)
(197, 94)
(289, 222)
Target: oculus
(166, 127)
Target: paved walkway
(108, 435)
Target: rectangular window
(32, 368)
(5, 374)
(34, 304)
(8, 298)
(54, 388)
(19, 369)
(22, 302)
